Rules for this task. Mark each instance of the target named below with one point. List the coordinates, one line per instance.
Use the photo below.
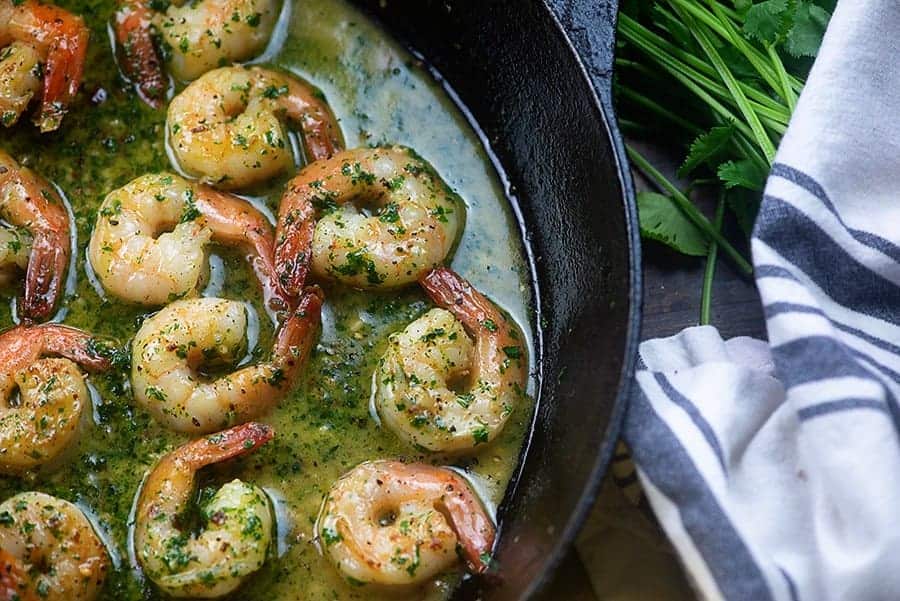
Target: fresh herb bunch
(720, 77)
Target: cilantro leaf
(805, 36)
(664, 222)
(707, 147)
(768, 21)
(744, 173)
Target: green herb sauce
(381, 95)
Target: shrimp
(228, 126)
(391, 523)
(49, 550)
(40, 362)
(414, 221)
(172, 346)
(418, 381)
(20, 81)
(197, 37)
(237, 520)
(52, 44)
(30, 202)
(138, 259)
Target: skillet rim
(602, 99)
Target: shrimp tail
(141, 62)
(23, 345)
(449, 290)
(298, 334)
(12, 578)
(321, 134)
(79, 346)
(293, 250)
(44, 277)
(67, 37)
(473, 529)
(225, 445)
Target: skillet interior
(513, 68)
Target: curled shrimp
(30, 202)
(197, 36)
(55, 39)
(391, 523)
(434, 387)
(173, 347)
(236, 521)
(40, 362)
(228, 127)
(49, 550)
(149, 243)
(385, 219)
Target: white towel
(775, 469)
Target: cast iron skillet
(547, 117)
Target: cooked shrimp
(228, 127)
(29, 202)
(413, 226)
(197, 36)
(172, 346)
(49, 550)
(237, 520)
(419, 378)
(53, 42)
(137, 258)
(20, 80)
(391, 523)
(40, 362)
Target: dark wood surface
(673, 282)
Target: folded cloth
(775, 469)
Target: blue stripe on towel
(792, 588)
(668, 466)
(775, 309)
(813, 187)
(840, 405)
(773, 271)
(815, 358)
(844, 279)
(682, 401)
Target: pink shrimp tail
(23, 345)
(67, 37)
(225, 445)
(297, 336)
(141, 62)
(293, 250)
(448, 290)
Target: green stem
(709, 273)
(759, 132)
(751, 53)
(673, 57)
(690, 211)
(786, 91)
(657, 108)
(628, 124)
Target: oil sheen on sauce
(381, 95)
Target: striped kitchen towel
(775, 468)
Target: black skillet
(535, 76)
